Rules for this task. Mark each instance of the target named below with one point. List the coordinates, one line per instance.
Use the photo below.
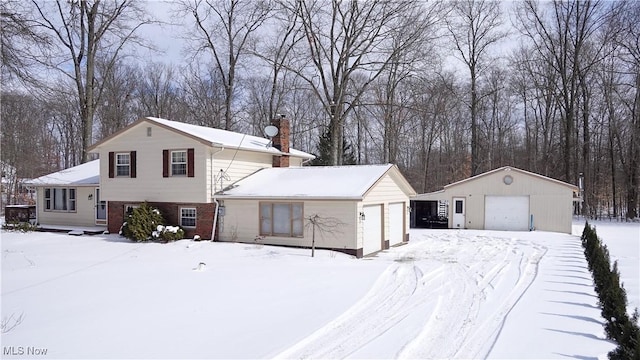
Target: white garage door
(506, 213)
(372, 232)
(396, 222)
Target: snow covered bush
(141, 223)
(168, 233)
(19, 226)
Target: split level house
(229, 186)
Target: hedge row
(619, 327)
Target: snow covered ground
(447, 294)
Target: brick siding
(171, 214)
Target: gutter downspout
(215, 201)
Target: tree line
(443, 89)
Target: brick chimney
(281, 141)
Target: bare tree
(18, 34)
(27, 147)
(84, 31)
(628, 40)
(205, 96)
(324, 226)
(227, 28)
(561, 38)
(157, 91)
(344, 38)
(534, 82)
(475, 26)
(115, 110)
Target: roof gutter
(291, 197)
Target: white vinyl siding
(235, 165)
(234, 225)
(386, 191)
(149, 165)
(84, 214)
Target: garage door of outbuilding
(506, 213)
(372, 229)
(396, 223)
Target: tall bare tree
(344, 38)
(227, 29)
(115, 110)
(560, 37)
(157, 92)
(83, 31)
(628, 40)
(18, 34)
(475, 25)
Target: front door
(101, 209)
(458, 218)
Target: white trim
(117, 165)
(195, 217)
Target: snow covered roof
(87, 174)
(511, 168)
(215, 137)
(319, 182)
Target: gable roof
(313, 182)
(511, 168)
(87, 174)
(211, 137)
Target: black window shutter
(190, 165)
(111, 163)
(165, 163)
(132, 156)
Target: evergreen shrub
(612, 298)
(141, 223)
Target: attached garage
(506, 198)
(360, 210)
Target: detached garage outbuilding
(506, 198)
(358, 209)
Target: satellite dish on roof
(271, 131)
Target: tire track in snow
(470, 291)
(396, 293)
(456, 330)
(484, 336)
(456, 306)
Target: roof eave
(283, 198)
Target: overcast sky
(167, 36)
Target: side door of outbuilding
(459, 213)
